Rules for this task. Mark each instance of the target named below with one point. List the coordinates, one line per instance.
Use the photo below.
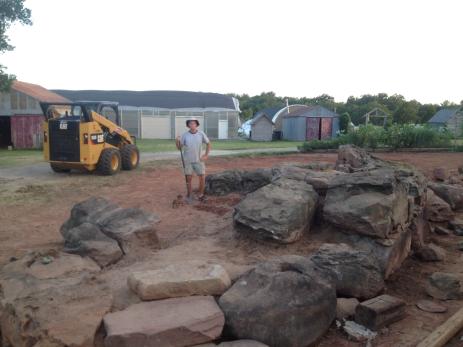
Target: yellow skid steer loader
(86, 135)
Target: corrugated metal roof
(155, 98)
(37, 92)
(310, 111)
(442, 116)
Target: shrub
(396, 136)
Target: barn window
(22, 101)
(31, 103)
(14, 100)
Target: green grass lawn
(29, 156)
(20, 157)
(169, 145)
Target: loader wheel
(110, 162)
(130, 157)
(58, 169)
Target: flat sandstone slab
(171, 322)
(180, 280)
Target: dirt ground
(32, 210)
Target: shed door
(313, 128)
(223, 129)
(326, 128)
(157, 127)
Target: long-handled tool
(188, 198)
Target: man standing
(191, 142)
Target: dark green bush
(396, 136)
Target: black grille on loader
(64, 140)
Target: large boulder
(355, 272)
(280, 211)
(87, 239)
(171, 322)
(319, 180)
(51, 299)
(237, 181)
(387, 253)
(452, 194)
(177, 280)
(353, 157)
(104, 231)
(282, 303)
(237, 343)
(370, 203)
(445, 286)
(436, 209)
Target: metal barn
(162, 114)
(309, 123)
(21, 116)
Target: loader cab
(81, 110)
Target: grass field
(19, 157)
(25, 157)
(169, 145)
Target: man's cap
(192, 119)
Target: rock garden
(336, 234)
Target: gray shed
(310, 123)
(261, 128)
(449, 118)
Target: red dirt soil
(32, 211)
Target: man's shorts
(198, 168)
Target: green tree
(344, 122)
(407, 112)
(11, 11)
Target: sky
(292, 47)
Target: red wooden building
(21, 116)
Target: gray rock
(445, 286)
(236, 343)
(452, 194)
(88, 240)
(440, 174)
(131, 227)
(436, 209)
(104, 231)
(371, 204)
(282, 303)
(440, 230)
(237, 181)
(431, 252)
(379, 312)
(319, 180)
(355, 272)
(457, 226)
(353, 156)
(387, 253)
(280, 211)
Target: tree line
(401, 111)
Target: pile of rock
(105, 232)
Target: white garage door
(180, 124)
(157, 127)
